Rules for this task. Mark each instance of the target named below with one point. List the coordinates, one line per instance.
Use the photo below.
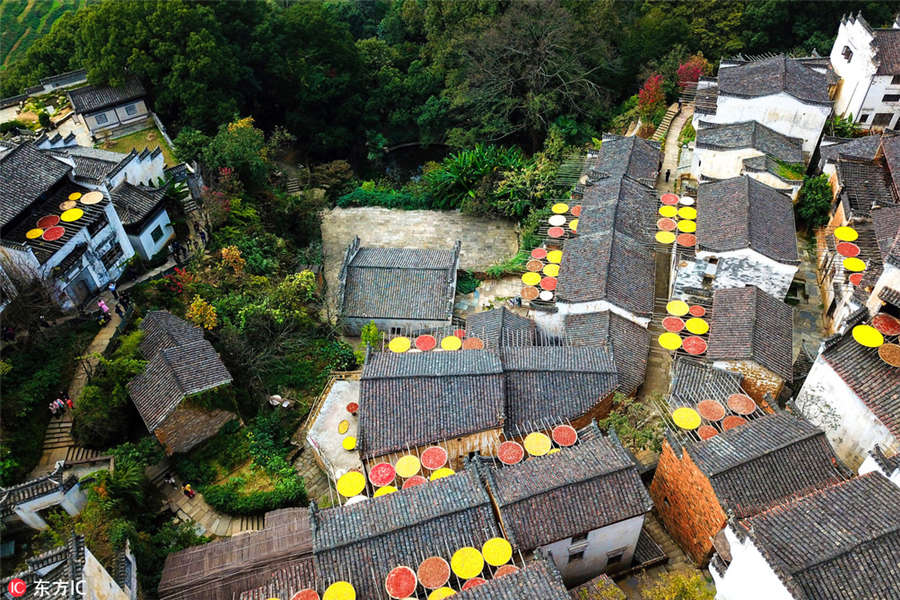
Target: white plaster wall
(600, 542)
(827, 402)
(719, 164)
(749, 576)
(554, 323)
(740, 268)
(856, 75)
(143, 242)
(890, 277)
(141, 112)
(138, 171)
(781, 112)
(772, 181)
(98, 584)
(873, 104)
(869, 465)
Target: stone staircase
(293, 185)
(661, 131)
(78, 454)
(314, 478)
(677, 557)
(59, 433)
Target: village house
(109, 111)
(839, 541)
(784, 94)
(501, 327)
(630, 344)
(361, 543)
(868, 63)
(181, 366)
(745, 237)
(144, 217)
(620, 156)
(400, 289)
(280, 553)
(739, 472)
(854, 396)
(537, 580)
(584, 506)
(694, 381)
(72, 568)
(26, 503)
(723, 151)
(751, 333)
(877, 460)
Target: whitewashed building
(24, 504)
(782, 93)
(842, 541)
(868, 62)
(877, 460)
(745, 236)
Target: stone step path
(293, 185)
(677, 557)
(59, 433)
(77, 453)
(663, 128)
(314, 478)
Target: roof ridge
(772, 450)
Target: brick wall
(187, 427)
(686, 503)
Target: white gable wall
(554, 323)
(870, 464)
(856, 75)
(740, 268)
(749, 576)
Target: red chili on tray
(694, 345)
(711, 410)
(856, 278)
(886, 324)
(741, 404)
(433, 572)
(382, 474)
(731, 421)
(460, 333)
(673, 324)
(510, 453)
(847, 249)
(400, 582)
(54, 233)
(556, 232)
(707, 431)
(697, 310)
(414, 481)
(473, 343)
(686, 239)
(666, 224)
(425, 342)
(434, 457)
(47, 222)
(475, 581)
(539, 253)
(564, 435)
(352, 407)
(548, 283)
(306, 594)
(506, 570)
(576, 210)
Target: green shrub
(44, 119)
(145, 452)
(814, 202)
(385, 198)
(228, 498)
(10, 126)
(466, 283)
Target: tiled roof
(629, 341)
(747, 465)
(890, 295)
(694, 381)
(538, 580)
(750, 134)
(96, 97)
(875, 382)
(588, 486)
(841, 541)
(398, 283)
(501, 327)
(35, 488)
(598, 588)
(773, 76)
(57, 567)
(630, 206)
(887, 49)
(865, 148)
(363, 542)
(162, 330)
(866, 184)
(748, 323)
(890, 146)
(633, 156)
(284, 582)
(173, 371)
(25, 174)
(608, 266)
(886, 463)
(554, 382)
(741, 212)
(886, 223)
(135, 203)
(408, 400)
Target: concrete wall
(720, 164)
(143, 241)
(187, 426)
(97, 583)
(601, 543)
(749, 576)
(781, 112)
(827, 402)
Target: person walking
(668, 172)
(203, 236)
(119, 311)
(103, 307)
(53, 409)
(112, 289)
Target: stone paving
(809, 324)
(485, 242)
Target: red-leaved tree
(651, 97)
(692, 69)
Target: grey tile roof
(886, 223)
(746, 464)
(633, 156)
(55, 481)
(890, 295)
(608, 266)
(408, 400)
(187, 367)
(841, 541)
(866, 184)
(748, 323)
(750, 134)
(398, 283)
(876, 383)
(598, 588)
(890, 150)
(588, 486)
(865, 148)
(284, 582)
(538, 580)
(96, 97)
(135, 203)
(629, 341)
(58, 566)
(887, 51)
(886, 463)
(554, 382)
(501, 327)
(26, 173)
(694, 381)
(163, 330)
(353, 542)
(773, 76)
(627, 204)
(741, 212)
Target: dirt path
(670, 158)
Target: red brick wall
(686, 503)
(187, 427)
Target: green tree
(241, 147)
(677, 585)
(190, 144)
(814, 202)
(370, 335)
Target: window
(863, 117)
(895, 80)
(101, 119)
(573, 556)
(847, 53)
(157, 233)
(615, 557)
(578, 546)
(890, 98)
(131, 109)
(882, 119)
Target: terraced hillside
(24, 21)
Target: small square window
(614, 558)
(131, 109)
(576, 556)
(847, 53)
(895, 80)
(890, 98)
(882, 119)
(863, 117)
(579, 538)
(157, 233)
(101, 119)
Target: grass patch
(145, 138)
(792, 171)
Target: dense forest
(351, 78)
